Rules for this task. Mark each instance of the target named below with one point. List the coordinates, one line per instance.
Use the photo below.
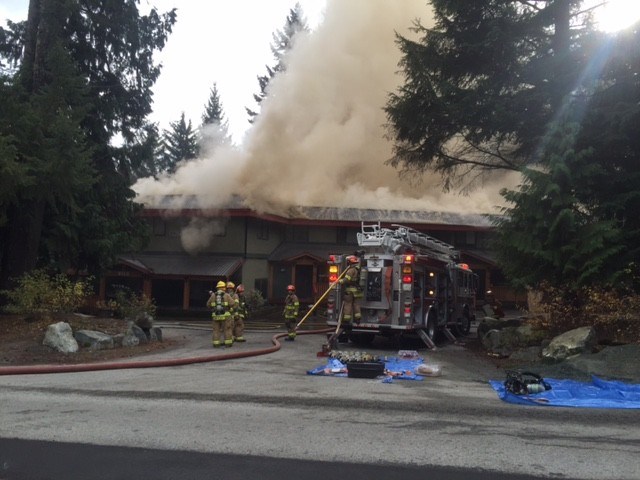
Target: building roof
(182, 265)
(189, 205)
(389, 216)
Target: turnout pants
(351, 308)
(222, 330)
(238, 329)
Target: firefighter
(352, 292)
(222, 306)
(231, 290)
(291, 307)
(241, 314)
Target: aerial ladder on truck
(405, 237)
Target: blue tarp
(569, 393)
(394, 368)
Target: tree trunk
(20, 252)
(25, 217)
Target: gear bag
(525, 383)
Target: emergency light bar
(333, 273)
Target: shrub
(37, 292)
(254, 300)
(568, 308)
(131, 305)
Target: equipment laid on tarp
(364, 365)
(524, 383)
(570, 393)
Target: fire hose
(171, 362)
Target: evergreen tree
(483, 85)
(214, 119)
(84, 76)
(611, 127)
(554, 229)
(282, 42)
(574, 221)
(180, 144)
(532, 87)
(142, 157)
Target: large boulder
(505, 341)
(59, 336)
(490, 323)
(94, 340)
(137, 332)
(573, 342)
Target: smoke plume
(319, 139)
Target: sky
(228, 42)
(319, 139)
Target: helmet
(291, 288)
(231, 285)
(352, 259)
(221, 284)
(240, 288)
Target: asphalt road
(264, 417)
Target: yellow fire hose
(320, 299)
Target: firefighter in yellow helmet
(352, 292)
(241, 315)
(231, 290)
(222, 306)
(291, 308)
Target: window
(263, 231)
(159, 227)
(465, 238)
(297, 234)
(341, 235)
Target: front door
(304, 282)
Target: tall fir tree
(282, 42)
(484, 83)
(531, 87)
(573, 222)
(553, 230)
(83, 75)
(143, 156)
(215, 127)
(180, 144)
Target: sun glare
(617, 14)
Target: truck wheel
(463, 326)
(430, 328)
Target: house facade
(191, 249)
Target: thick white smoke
(319, 139)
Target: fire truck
(412, 284)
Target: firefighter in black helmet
(352, 292)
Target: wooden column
(186, 293)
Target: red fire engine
(412, 284)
